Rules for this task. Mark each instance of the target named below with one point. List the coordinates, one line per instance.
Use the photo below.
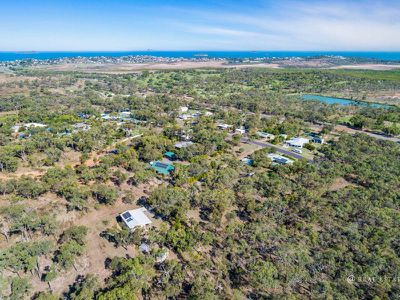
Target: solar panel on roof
(126, 215)
(161, 165)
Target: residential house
(135, 218)
(224, 126)
(297, 142)
(183, 144)
(81, 127)
(279, 159)
(241, 130)
(266, 135)
(185, 117)
(162, 168)
(318, 140)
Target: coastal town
(151, 61)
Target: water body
(342, 101)
(386, 56)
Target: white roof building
(161, 257)
(17, 127)
(181, 145)
(279, 159)
(106, 116)
(135, 218)
(224, 126)
(34, 125)
(144, 248)
(81, 126)
(298, 142)
(266, 135)
(241, 130)
(185, 117)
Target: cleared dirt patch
(338, 184)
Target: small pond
(341, 101)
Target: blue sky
(120, 25)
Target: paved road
(265, 144)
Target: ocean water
(341, 101)
(387, 56)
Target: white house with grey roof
(297, 142)
(183, 144)
(135, 218)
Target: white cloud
(311, 25)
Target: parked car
(297, 151)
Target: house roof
(169, 154)
(145, 248)
(183, 144)
(135, 218)
(279, 159)
(298, 141)
(162, 168)
(265, 134)
(224, 126)
(247, 161)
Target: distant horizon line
(193, 50)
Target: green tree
(104, 194)
(84, 288)
(19, 288)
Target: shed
(144, 248)
(170, 155)
(247, 161)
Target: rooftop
(135, 218)
(276, 158)
(170, 155)
(298, 141)
(162, 168)
(265, 134)
(183, 144)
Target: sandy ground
(248, 149)
(338, 184)
(182, 65)
(128, 68)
